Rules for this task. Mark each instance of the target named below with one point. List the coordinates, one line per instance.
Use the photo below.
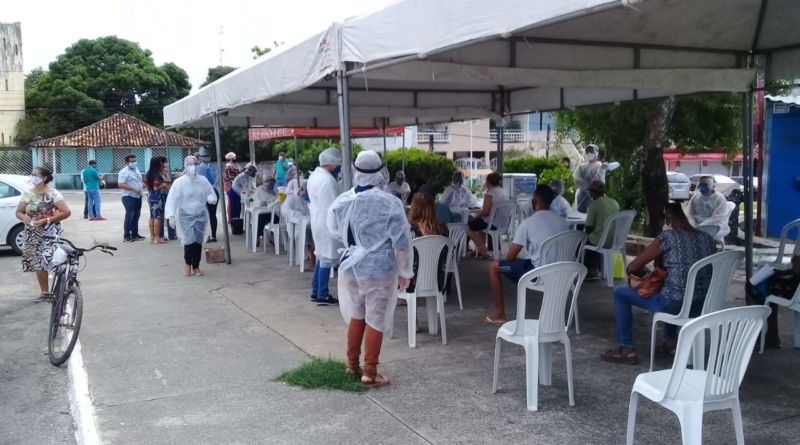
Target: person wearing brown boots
(376, 262)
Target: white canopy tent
(419, 61)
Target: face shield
(190, 166)
(369, 170)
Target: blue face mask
(133, 165)
(336, 171)
(703, 189)
(306, 198)
(271, 186)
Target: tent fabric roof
(271, 133)
(119, 130)
(419, 61)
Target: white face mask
(36, 180)
(591, 156)
(191, 170)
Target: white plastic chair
(537, 336)
(723, 265)
(299, 240)
(276, 228)
(565, 246)
(689, 392)
(794, 305)
(458, 238)
(621, 223)
(251, 224)
(786, 239)
(500, 218)
(458, 235)
(428, 248)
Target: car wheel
(16, 239)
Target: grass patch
(323, 373)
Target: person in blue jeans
(129, 179)
(677, 248)
(91, 182)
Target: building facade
(12, 82)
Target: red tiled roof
(119, 130)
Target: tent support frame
(343, 98)
(221, 189)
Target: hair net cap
(330, 156)
(400, 175)
(592, 148)
(189, 160)
(230, 155)
(557, 185)
(369, 170)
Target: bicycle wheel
(65, 324)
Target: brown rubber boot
(355, 333)
(372, 350)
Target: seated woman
(422, 217)
(494, 195)
(782, 283)
(264, 196)
(676, 249)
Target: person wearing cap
(210, 173)
(243, 184)
(322, 191)
(458, 196)
(591, 170)
(560, 205)
(186, 210)
(599, 210)
(399, 187)
(376, 263)
(708, 207)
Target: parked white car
(11, 189)
(678, 186)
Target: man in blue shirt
(91, 184)
(207, 171)
(129, 179)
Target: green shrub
(546, 169)
(308, 151)
(436, 169)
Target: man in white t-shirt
(529, 236)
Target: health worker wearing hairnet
(708, 207)
(458, 196)
(376, 262)
(322, 191)
(186, 208)
(591, 170)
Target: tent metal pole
(403, 153)
(296, 159)
(747, 164)
(500, 137)
(251, 144)
(383, 130)
(221, 190)
(343, 93)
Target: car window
(674, 178)
(6, 191)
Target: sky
(187, 33)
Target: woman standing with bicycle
(42, 208)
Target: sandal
(494, 321)
(374, 382)
(625, 356)
(187, 271)
(485, 256)
(667, 347)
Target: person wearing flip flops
(530, 235)
(677, 248)
(376, 261)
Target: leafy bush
(436, 169)
(308, 151)
(546, 169)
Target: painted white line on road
(80, 403)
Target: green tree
(94, 79)
(635, 134)
(437, 170)
(217, 72)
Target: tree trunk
(654, 175)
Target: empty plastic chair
(458, 235)
(723, 265)
(786, 239)
(537, 336)
(617, 226)
(690, 392)
(500, 218)
(566, 246)
(276, 227)
(428, 248)
(458, 238)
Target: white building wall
(12, 82)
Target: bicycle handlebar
(102, 247)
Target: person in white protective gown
(186, 208)
(376, 262)
(708, 207)
(458, 196)
(322, 191)
(591, 170)
(296, 206)
(560, 206)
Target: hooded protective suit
(322, 191)
(591, 170)
(457, 195)
(709, 210)
(373, 226)
(186, 204)
(294, 205)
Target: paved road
(34, 405)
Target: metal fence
(15, 161)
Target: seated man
(708, 207)
(560, 204)
(530, 234)
(599, 210)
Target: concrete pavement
(172, 359)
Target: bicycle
(67, 300)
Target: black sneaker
(212, 240)
(313, 298)
(137, 238)
(128, 239)
(330, 301)
(44, 296)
